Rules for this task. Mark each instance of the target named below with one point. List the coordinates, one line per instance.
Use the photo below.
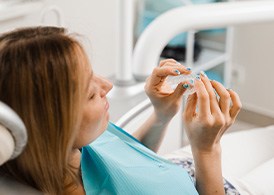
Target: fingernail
(177, 71)
(185, 85)
(191, 81)
(203, 73)
(198, 77)
(229, 89)
(188, 68)
(178, 63)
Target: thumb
(180, 90)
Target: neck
(75, 162)
(75, 158)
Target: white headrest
(11, 124)
(7, 144)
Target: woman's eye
(91, 96)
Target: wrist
(212, 152)
(161, 119)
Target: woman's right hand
(206, 116)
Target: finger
(180, 67)
(162, 62)
(160, 73)
(165, 71)
(214, 106)
(224, 101)
(203, 98)
(190, 107)
(236, 104)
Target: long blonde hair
(41, 78)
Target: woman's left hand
(208, 114)
(165, 100)
(217, 110)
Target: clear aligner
(173, 81)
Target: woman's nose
(105, 85)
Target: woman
(45, 76)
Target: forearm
(208, 172)
(152, 132)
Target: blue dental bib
(116, 163)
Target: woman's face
(95, 113)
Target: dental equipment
(149, 46)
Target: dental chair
(13, 138)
